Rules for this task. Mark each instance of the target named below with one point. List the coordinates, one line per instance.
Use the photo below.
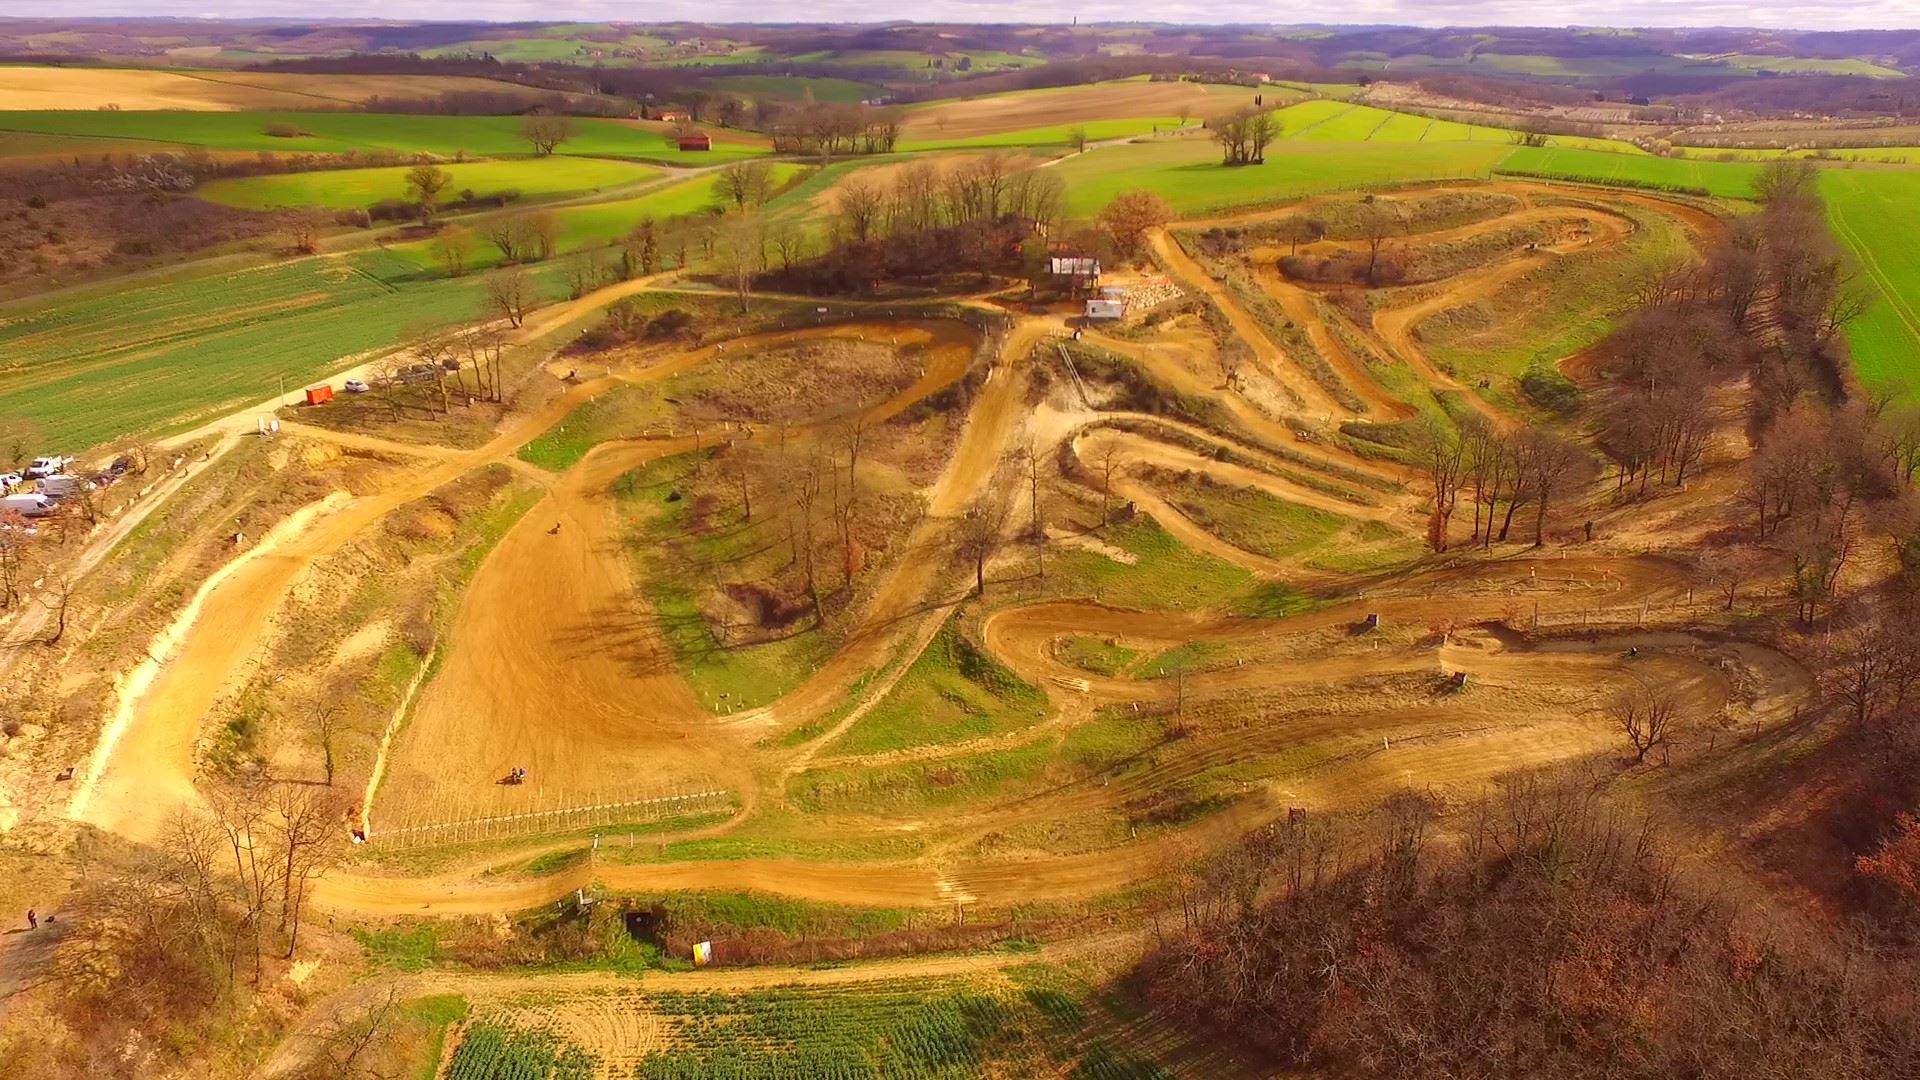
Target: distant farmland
(341, 132)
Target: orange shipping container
(319, 395)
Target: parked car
(355, 386)
(47, 466)
(9, 481)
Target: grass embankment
(340, 189)
(953, 692)
(1163, 576)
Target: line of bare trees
(830, 130)
(932, 219)
(1528, 466)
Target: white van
(27, 506)
(62, 485)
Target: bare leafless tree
(546, 131)
(1647, 716)
(511, 294)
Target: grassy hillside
(596, 224)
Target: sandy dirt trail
(144, 766)
(1314, 398)
(1272, 431)
(552, 620)
(1449, 746)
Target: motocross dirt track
(552, 666)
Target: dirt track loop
(551, 662)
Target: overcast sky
(1801, 14)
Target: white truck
(32, 505)
(48, 466)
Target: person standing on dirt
(33, 920)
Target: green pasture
(342, 132)
(597, 224)
(1873, 213)
(1188, 174)
(1339, 121)
(340, 189)
(1732, 180)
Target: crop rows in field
(783, 1033)
(911, 1029)
(1343, 122)
(1873, 215)
(105, 363)
(493, 1052)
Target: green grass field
(1339, 121)
(339, 189)
(598, 224)
(158, 357)
(340, 132)
(1188, 174)
(1733, 180)
(951, 693)
(1873, 214)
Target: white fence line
(533, 822)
